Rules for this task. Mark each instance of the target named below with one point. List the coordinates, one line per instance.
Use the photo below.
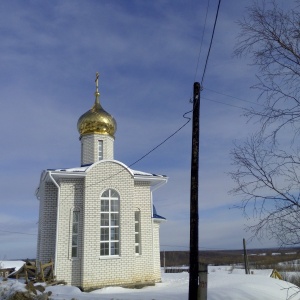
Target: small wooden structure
(28, 270)
(176, 269)
(5, 272)
(275, 274)
(31, 272)
(47, 271)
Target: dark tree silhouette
(267, 165)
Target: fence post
(202, 288)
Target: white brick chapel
(97, 221)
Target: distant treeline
(256, 257)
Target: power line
(243, 100)
(211, 40)
(170, 136)
(232, 105)
(153, 149)
(230, 96)
(17, 232)
(207, 6)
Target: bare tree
(268, 180)
(271, 38)
(267, 165)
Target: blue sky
(146, 53)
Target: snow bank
(174, 286)
(8, 288)
(242, 287)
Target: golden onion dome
(97, 120)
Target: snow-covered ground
(223, 283)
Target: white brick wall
(127, 268)
(71, 195)
(90, 270)
(156, 252)
(89, 148)
(47, 223)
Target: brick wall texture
(82, 194)
(89, 148)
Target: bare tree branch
(267, 165)
(267, 181)
(271, 37)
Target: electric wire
(211, 40)
(243, 100)
(17, 232)
(233, 97)
(170, 136)
(150, 151)
(203, 31)
(232, 105)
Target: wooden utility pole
(164, 261)
(245, 258)
(194, 218)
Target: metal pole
(194, 218)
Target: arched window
(110, 223)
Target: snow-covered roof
(83, 169)
(12, 264)
(48, 175)
(135, 172)
(157, 216)
(78, 169)
(154, 179)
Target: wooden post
(245, 258)
(164, 261)
(194, 217)
(50, 275)
(42, 272)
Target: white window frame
(137, 232)
(110, 224)
(100, 150)
(75, 233)
(81, 152)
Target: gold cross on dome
(97, 81)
